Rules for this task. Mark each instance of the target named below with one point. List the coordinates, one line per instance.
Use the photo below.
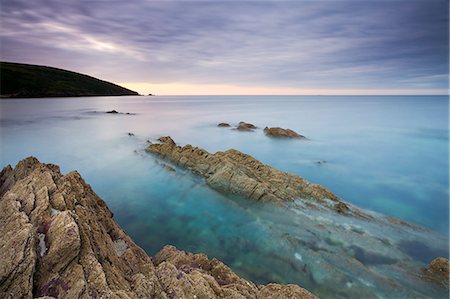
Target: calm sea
(387, 154)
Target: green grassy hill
(33, 81)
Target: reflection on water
(387, 154)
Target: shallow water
(386, 154)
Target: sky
(237, 47)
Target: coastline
(64, 243)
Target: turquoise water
(388, 154)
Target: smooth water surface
(388, 154)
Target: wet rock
(223, 125)
(289, 291)
(342, 208)
(213, 279)
(233, 172)
(80, 252)
(438, 271)
(112, 112)
(243, 126)
(282, 133)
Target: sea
(388, 155)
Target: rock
(112, 111)
(59, 240)
(233, 172)
(342, 208)
(282, 133)
(243, 126)
(212, 278)
(130, 134)
(223, 125)
(438, 271)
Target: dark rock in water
(282, 133)
(223, 125)
(371, 258)
(130, 134)
(342, 208)
(168, 167)
(59, 240)
(117, 112)
(233, 172)
(320, 162)
(420, 251)
(438, 271)
(243, 126)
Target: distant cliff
(34, 81)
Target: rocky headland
(59, 240)
(20, 80)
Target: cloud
(287, 44)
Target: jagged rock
(233, 172)
(212, 278)
(223, 125)
(59, 240)
(438, 271)
(243, 126)
(282, 133)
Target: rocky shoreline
(59, 240)
(234, 173)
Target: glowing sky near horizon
(237, 47)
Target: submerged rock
(80, 251)
(282, 133)
(233, 172)
(243, 126)
(223, 125)
(438, 271)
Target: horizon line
(290, 95)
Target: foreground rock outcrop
(282, 133)
(233, 172)
(59, 240)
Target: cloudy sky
(237, 47)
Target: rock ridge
(59, 240)
(233, 172)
